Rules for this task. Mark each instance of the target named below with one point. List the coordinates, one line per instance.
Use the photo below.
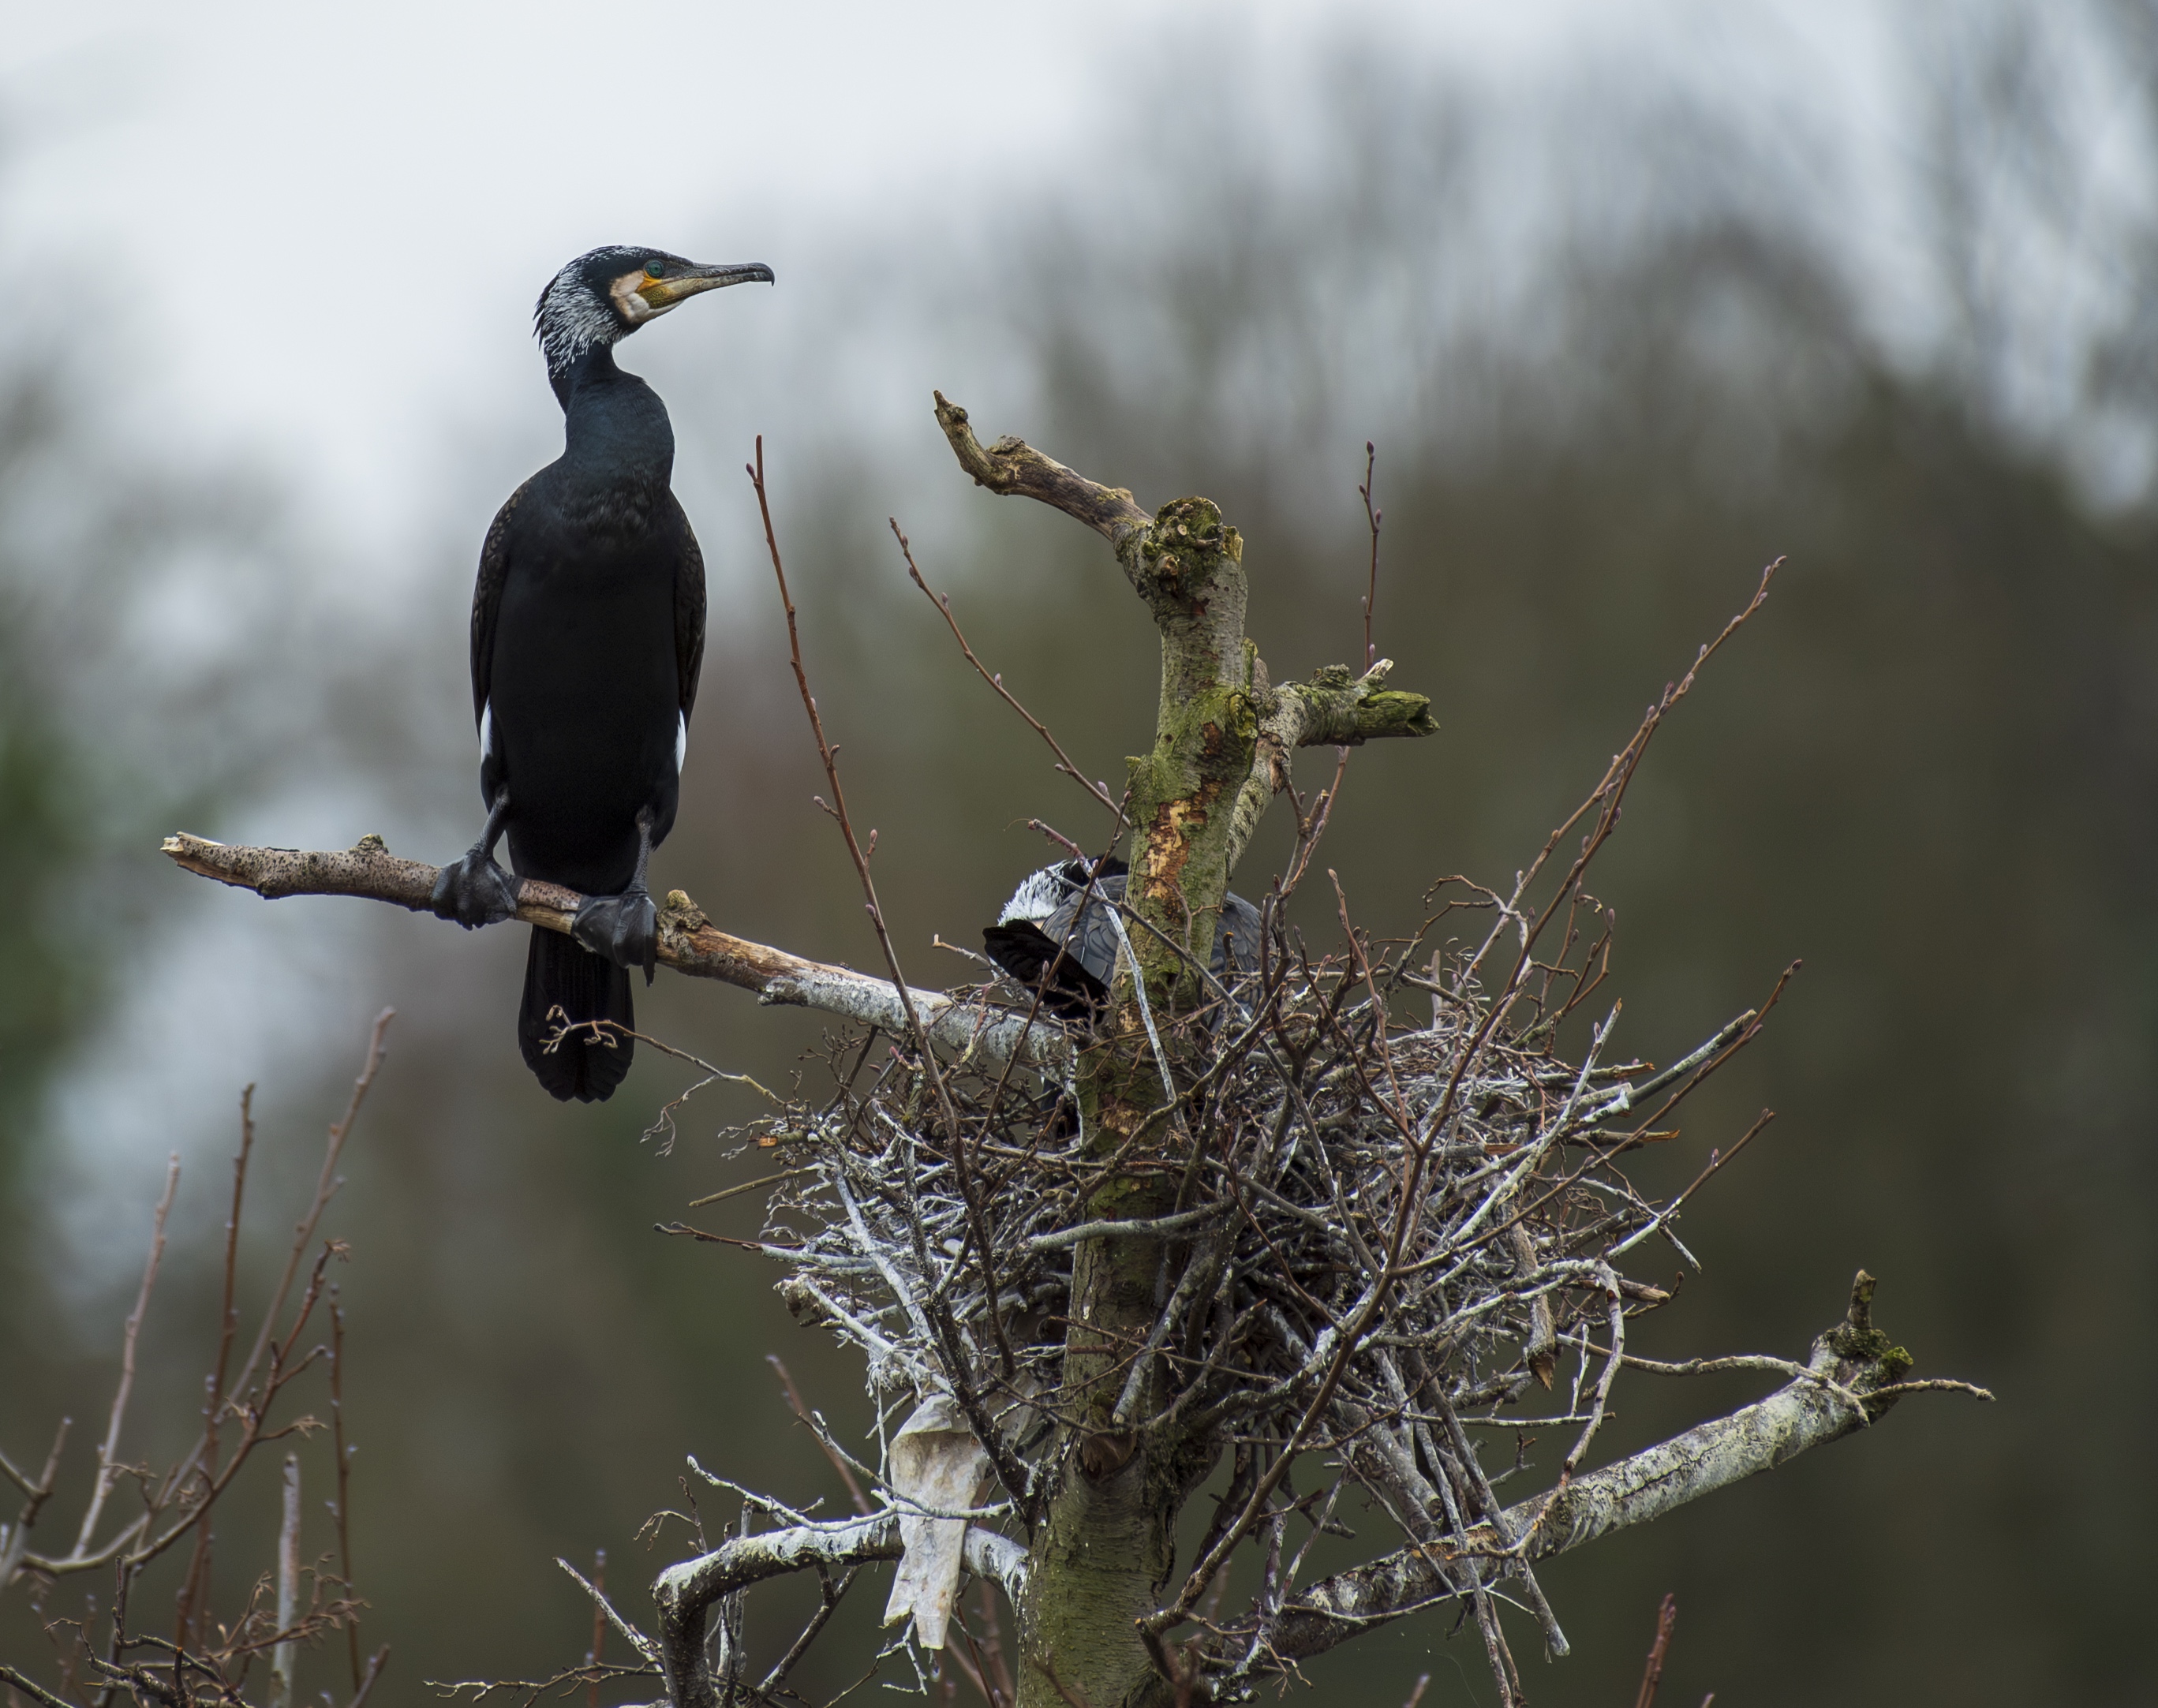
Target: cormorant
(1052, 911)
(587, 631)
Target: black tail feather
(561, 973)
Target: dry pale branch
(685, 1592)
(1854, 1377)
(1013, 467)
(689, 943)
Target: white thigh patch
(681, 740)
(487, 730)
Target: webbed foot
(474, 890)
(624, 928)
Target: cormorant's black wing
(688, 617)
(1236, 938)
(1087, 926)
(1078, 938)
(1078, 941)
(487, 595)
(1027, 952)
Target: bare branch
(1652, 1674)
(109, 1450)
(685, 1591)
(943, 602)
(285, 1657)
(831, 1452)
(15, 1538)
(1013, 467)
(638, 1642)
(689, 943)
(1333, 709)
(1852, 1360)
(1373, 517)
(367, 1683)
(34, 1691)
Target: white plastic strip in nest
(936, 1462)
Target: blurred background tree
(1621, 338)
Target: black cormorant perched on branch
(1052, 911)
(587, 631)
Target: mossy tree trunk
(1104, 1556)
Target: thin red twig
(1667, 1616)
(1373, 517)
(1008, 1470)
(943, 604)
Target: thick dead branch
(689, 943)
(1854, 1377)
(1012, 467)
(1200, 607)
(1333, 709)
(686, 1592)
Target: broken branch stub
(1333, 709)
(1012, 465)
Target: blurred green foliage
(45, 999)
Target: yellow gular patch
(625, 292)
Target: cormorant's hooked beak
(641, 297)
(665, 293)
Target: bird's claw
(474, 891)
(624, 928)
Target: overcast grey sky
(323, 227)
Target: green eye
(654, 270)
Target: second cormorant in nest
(587, 631)
(1053, 937)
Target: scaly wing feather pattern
(689, 616)
(487, 597)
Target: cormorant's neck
(594, 362)
(615, 428)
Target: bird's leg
(625, 928)
(474, 890)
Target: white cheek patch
(627, 293)
(487, 731)
(681, 740)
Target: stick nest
(1386, 1233)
